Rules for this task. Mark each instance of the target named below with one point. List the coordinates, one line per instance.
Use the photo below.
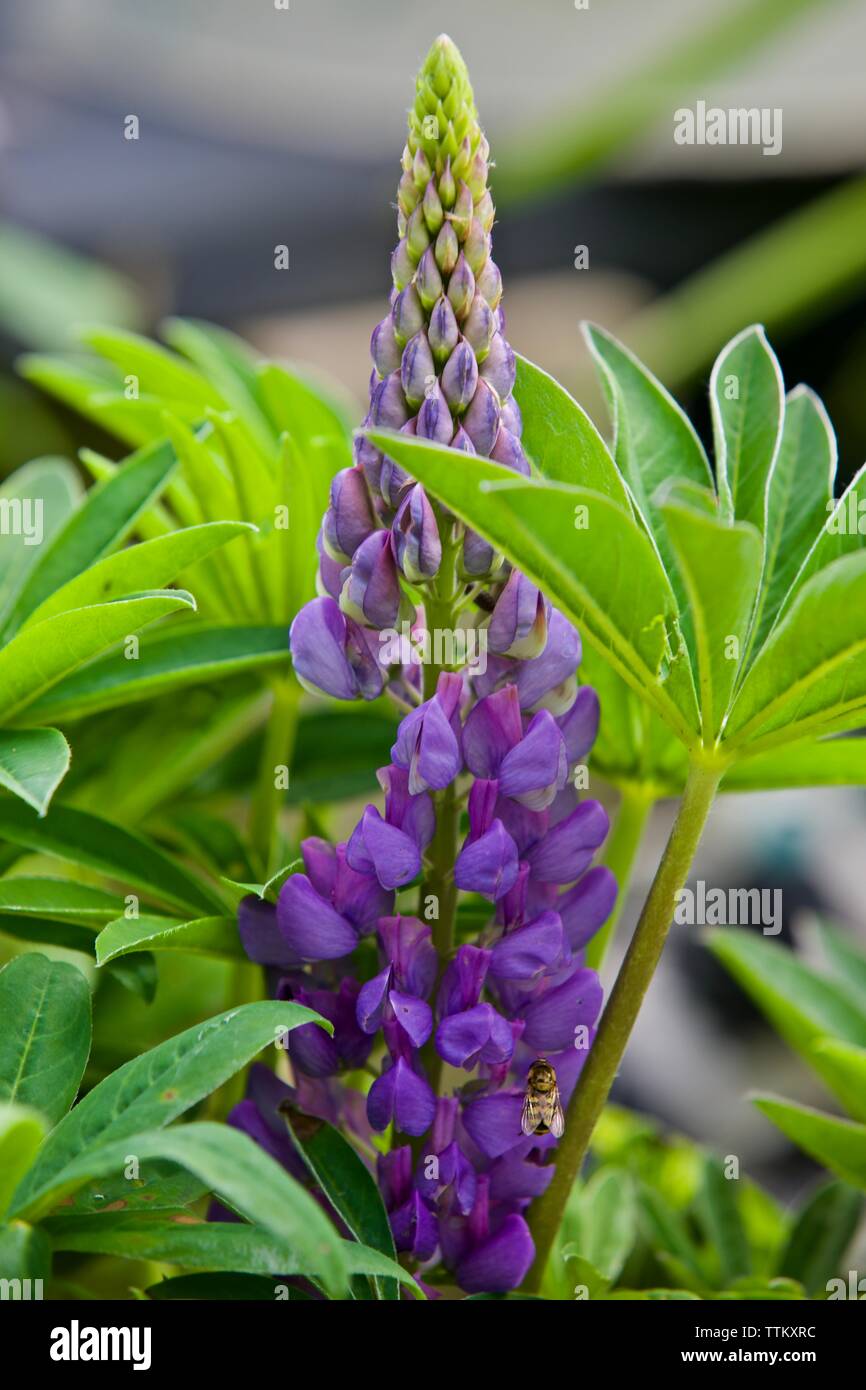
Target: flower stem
(620, 855)
(277, 749)
(619, 1017)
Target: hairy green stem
(619, 1017)
(277, 749)
(620, 856)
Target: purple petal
(372, 999)
(552, 1019)
(580, 726)
(566, 849)
(499, 1263)
(413, 1015)
(534, 770)
(493, 728)
(558, 662)
(309, 925)
(584, 907)
(260, 935)
(493, 1122)
(403, 1096)
(526, 952)
(393, 855)
(489, 864)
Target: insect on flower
(542, 1107)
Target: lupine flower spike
(478, 798)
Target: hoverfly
(542, 1107)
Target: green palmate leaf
(748, 403)
(22, 1130)
(39, 657)
(148, 565)
(720, 566)
(604, 574)
(45, 1008)
(719, 1210)
(35, 501)
(831, 762)
(580, 1278)
(654, 440)
(206, 936)
(154, 1088)
(33, 763)
(336, 757)
(561, 439)
(97, 393)
(801, 485)
(213, 488)
(801, 1005)
(306, 409)
(25, 1252)
(240, 1172)
(838, 1144)
(106, 517)
(230, 364)
(158, 372)
(824, 1229)
(216, 1246)
(843, 1068)
(347, 1183)
(847, 963)
(169, 659)
(608, 1222)
(810, 677)
(82, 838)
(842, 533)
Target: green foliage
(822, 1016)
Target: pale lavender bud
(481, 420)
(408, 315)
(478, 557)
(392, 478)
(371, 590)
(428, 281)
(447, 249)
(485, 212)
(368, 457)
(421, 171)
(384, 348)
(508, 450)
(349, 518)
(443, 333)
(460, 377)
(416, 537)
(407, 195)
(511, 418)
(489, 283)
(499, 367)
(402, 265)
(479, 326)
(462, 441)
(476, 247)
(461, 288)
(388, 406)
(417, 369)
(434, 418)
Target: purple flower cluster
(517, 990)
(480, 821)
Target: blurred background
(260, 126)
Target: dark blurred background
(261, 126)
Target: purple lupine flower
(449, 1034)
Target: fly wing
(530, 1117)
(555, 1119)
